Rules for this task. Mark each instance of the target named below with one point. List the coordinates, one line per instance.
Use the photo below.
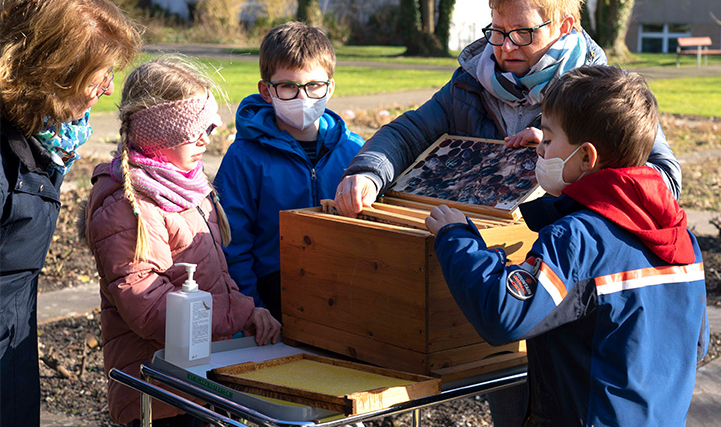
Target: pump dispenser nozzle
(190, 285)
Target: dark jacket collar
(29, 150)
(541, 212)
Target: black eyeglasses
(519, 36)
(106, 82)
(290, 90)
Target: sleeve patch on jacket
(521, 284)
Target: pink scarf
(172, 189)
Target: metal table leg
(183, 404)
(146, 408)
(416, 418)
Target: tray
(322, 382)
(471, 174)
(228, 352)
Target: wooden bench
(695, 46)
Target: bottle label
(200, 330)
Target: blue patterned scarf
(63, 146)
(567, 53)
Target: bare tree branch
(718, 21)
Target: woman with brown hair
(57, 57)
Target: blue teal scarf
(63, 146)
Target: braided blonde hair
(166, 79)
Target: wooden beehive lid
(327, 383)
(471, 174)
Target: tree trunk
(409, 20)
(428, 16)
(309, 12)
(421, 35)
(443, 28)
(612, 18)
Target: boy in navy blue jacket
(289, 152)
(611, 299)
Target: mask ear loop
(584, 173)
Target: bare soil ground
(71, 365)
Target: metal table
(227, 405)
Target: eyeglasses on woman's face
(519, 36)
(104, 86)
(290, 90)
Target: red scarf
(636, 199)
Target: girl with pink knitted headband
(151, 208)
(157, 133)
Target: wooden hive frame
(388, 387)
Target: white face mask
(549, 173)
(299, 112)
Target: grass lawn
(697, 96)
(375, 54)
(240, 79)
(641, 60)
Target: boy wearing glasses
(289, 152)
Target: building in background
(654, 27)
(656, 24)
(469, 16)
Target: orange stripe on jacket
(648, 277)
(552, 283)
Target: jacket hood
(637, 200)
(255, 121)
(104, 189)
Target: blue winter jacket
(461, 108)
(265, 171)
(613, 332)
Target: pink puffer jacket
(133, 293)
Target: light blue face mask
(299, 112)
(549, 173)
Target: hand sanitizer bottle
(188, 324)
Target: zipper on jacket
(202, 214)
(314, 185)
(323, 153)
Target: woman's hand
(264, 326)
(527, 137)
(441, 216)
(353, 194)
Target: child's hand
(527, 137)
(443, 215)
(353, 194)
(265, 328)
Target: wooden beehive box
(371, 287)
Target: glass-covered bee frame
(472, 174)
